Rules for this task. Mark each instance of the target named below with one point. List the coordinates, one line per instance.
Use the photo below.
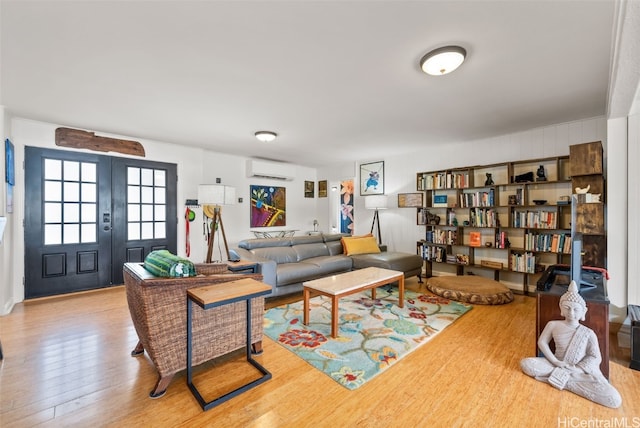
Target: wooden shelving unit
(507, 220)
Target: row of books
(536, 219)
(478, 199)
(441, 236)
(435, 254)
(443, 180)
(483, 217)
(525, 262)
(550, 242)
(501, 240)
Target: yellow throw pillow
(359, 245)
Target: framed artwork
(9, 162)
(322, 188)
(268, 206)
(372, 178)
(410, 200)
(308, 189)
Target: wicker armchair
(159, 313)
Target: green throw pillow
(163, 263)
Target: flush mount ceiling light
(266, 136)
(443, 60)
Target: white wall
(633, 237)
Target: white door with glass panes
(88, 214)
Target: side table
(211, 296)
(242, 266)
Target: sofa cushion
(305, 251)
(360, 245)
(250, 244)
(334, 247)
(277, 254)
(404, 262)
(291, 273)
(331, 264)
(306, 239)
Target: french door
(88, 214)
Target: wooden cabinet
(586, 168)
(507, 221)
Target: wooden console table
(211, 296)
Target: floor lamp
(376, 202)
(215, 195)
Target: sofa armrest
(266, 267)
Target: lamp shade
(376, 202)
(216, 194)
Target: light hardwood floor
(66, 363)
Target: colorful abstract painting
(268, 206)
(346, 206)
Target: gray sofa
(285, 263)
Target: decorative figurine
(575, 366)
(489, 180)
(540, 174)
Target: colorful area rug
(374, 334)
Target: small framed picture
(308, 189)
(372, 178)
(322, 188)
(410, 200)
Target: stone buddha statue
(575, 365)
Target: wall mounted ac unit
(270, 170)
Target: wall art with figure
(346, 206)
(268, 206)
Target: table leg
(305, 296)
(401, 292)
(373, 293)
(334, 316)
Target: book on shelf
(475, 239)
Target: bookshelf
(507, 221)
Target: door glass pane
(133, 231)
(89, 172)
(146, 177)
(146, 196)
(88, 233)
(71, 191)
(88, 192)
(52, 191)
(52, 169)
(71, 234)
(160, 197)
(147, 212)
(52, 234)
(52, 212)
(147, 231)
(160, 230)
(133, 212)
(88, 213)
(160, 178)
(71, 213)
(71, 171)
(133, 194)
(160, 213)
(133, 175)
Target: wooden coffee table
(337, 286)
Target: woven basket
(210, 268)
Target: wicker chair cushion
(164, 264)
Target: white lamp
(215, 195)
(443, 60)
(376, 202)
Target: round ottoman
(470, 289)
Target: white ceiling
(337, 80)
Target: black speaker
(634, 313)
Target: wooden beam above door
(78, 139)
